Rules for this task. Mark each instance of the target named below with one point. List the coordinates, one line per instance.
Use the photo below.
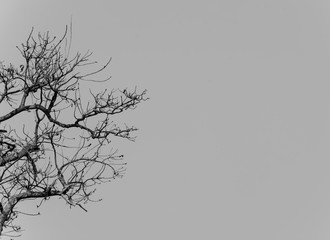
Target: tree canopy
(54, 140)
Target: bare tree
(53, 140)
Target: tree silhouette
(54, 140)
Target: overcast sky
(234, 141)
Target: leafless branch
(64, 151)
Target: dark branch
(65, 152)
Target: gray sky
(234, 143)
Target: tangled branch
(65, 150)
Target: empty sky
(234, 142)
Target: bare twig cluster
(64, 151)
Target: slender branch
(66, 151)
